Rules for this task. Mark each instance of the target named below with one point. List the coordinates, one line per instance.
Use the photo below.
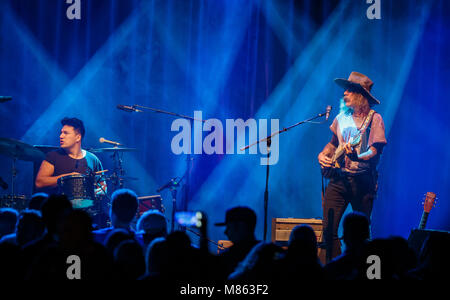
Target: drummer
(70, 159)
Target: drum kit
(79, 188)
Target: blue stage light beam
(207, 61)
(405, 59)
(246, 169)
(84, 93)
(57, 79)
(287, 32)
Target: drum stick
(100, 172)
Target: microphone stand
(172, 185)
(188, 157)
(186, 187)
(268, 141)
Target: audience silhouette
(36, 243)
(124, 205)
(8, 220)
(151, 225)
(240, 225)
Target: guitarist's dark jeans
(358, 190)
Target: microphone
(5, 98)
(172, 183)
(128, 108)
(327, 112)
(102, 140)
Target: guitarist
(359, 132)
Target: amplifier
(282, 227)
(418, 237)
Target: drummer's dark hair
(77, 124)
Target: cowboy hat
(359, 83)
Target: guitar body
(337, 162)
(338, 159)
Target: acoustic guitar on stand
(428, 204)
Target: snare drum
(79, 189)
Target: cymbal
(46, 148)
(113, 149)
(20, 150)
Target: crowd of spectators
(36, 243)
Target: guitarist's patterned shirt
(346, 128)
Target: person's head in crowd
(183, 263)
(8, 220)
(115, 237)
(54, 210)
(383, 249)
(129, 260)
(156, 257)
(404, 257)
(303, 243)
(178, 240)
(10, 261)
(37, 200)
(259, 264)
(240, 222)
(123, 208)
(356, 230)
(152, 224)
(30, 227)
(77, 229)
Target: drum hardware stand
(118, 171)
(268, 141)
(100, 210)
(13, 174)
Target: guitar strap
(366, 122)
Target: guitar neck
(423, 220)
(340, 150)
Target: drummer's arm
(45, 176)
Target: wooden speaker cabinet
(282, 227)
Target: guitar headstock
(429, 201)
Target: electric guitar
(338, 158)
(337, 161)
(428, 204)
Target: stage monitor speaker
(418, 237)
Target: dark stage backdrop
(234, 59)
